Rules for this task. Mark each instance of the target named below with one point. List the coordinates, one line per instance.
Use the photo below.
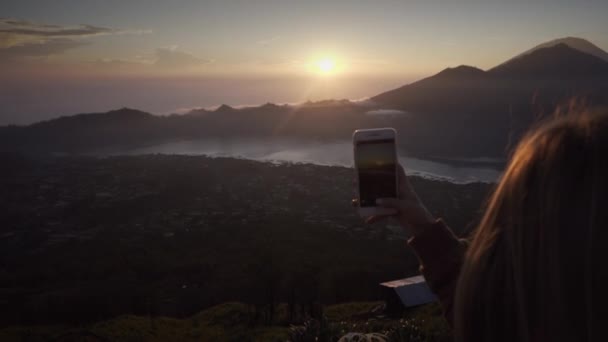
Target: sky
(65, 57)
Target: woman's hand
(411, 214)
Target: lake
(337, 153)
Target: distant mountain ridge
(576, 43)
(459, 112)
(557, 61)
(469, 107)
(461, 71)
(120, 115)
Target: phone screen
(376, 165)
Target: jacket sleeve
(441, 254)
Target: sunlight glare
(326, 65)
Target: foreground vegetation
(237, 322)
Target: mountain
(459, 112)
(450, 85)
(82, 132)
(476, 112)
(557, 61)
(123, 116)
(579, 44)
(225, 109)
(461, 72)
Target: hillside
(468, 107)
(236, 321)
(577, 43)
(559, 62)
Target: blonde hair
(535, 269)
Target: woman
(536, 267)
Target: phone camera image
(376, 167)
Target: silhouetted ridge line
(580, 44)
(458, 112)
(461, 71)
(559, 61)
(225, 109)
(123, 114)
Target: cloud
(40, 49)
(172, 58)
(165, 59)
(23, 39)
(26, 28)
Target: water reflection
(322, 153)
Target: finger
(401, 176)
(405, 188)
(394, 203)
(376, 218)
(401, 171)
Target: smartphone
(375, 152)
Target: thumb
(394, 203)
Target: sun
(326, 65)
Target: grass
(234, 322)
(347, 311)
